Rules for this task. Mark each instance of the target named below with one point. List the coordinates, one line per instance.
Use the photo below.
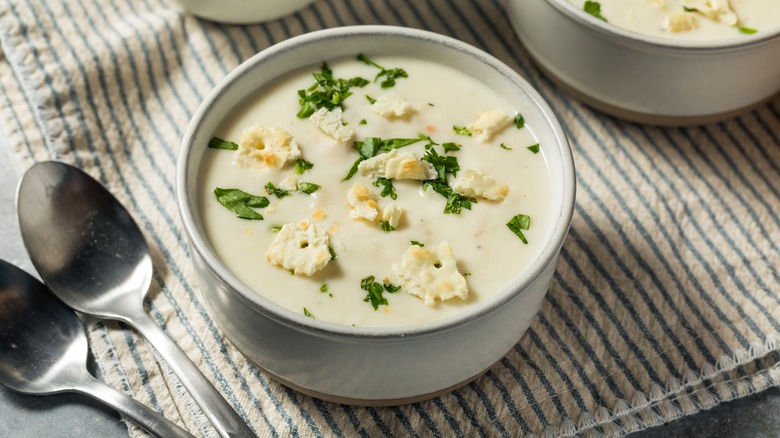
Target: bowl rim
(267, 307)
(659, 43)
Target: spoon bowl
(43, 350)
(93, 256)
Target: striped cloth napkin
(665, 300)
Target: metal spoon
(43, 350)
(92, 255)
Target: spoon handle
(222, 416)
(150, 420)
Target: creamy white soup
(426, 264)
(688, 19)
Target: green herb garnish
(455, 201)
(327, 92)
(390, 75)
(387, 188)
(307, 187)
(307, 313)
(747, 30)
(371, 146)
(370, 99)
(519, 121)
(276, 228)
(519, 223)
(687, 9)
(594, 8)
(302, 165)
(462, 130)
(332, 252)
(362, 122)
(241, 203)
(414, 242)
(324, 288)
(503, 146)
(272, 190)
(375, 290)
(218, 143)
(443, 164)
(386, 227)
(450, 147)
(534, 148)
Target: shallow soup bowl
(372, 365)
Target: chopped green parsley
(389, 75)
(302, 165)
(307, 187)
(534, 148)
(503, 146)
(374, 291)
(386, 227)
(444, 164)
(455, 201)
(462, 130)
(370, 99)
(273, 190)
(519, 223)
(241, 203)
(371, 146)
(276, 228)
(414, 242)
(327, 92)
(362, 122)
(519, 121)
(387, 188)
(307, 313)
(747, 30)
(594, 8)
(218, 143)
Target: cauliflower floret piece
(475, 184)
(431, 274)
(362, 202)
(490, 123)
(266, 148)
(300, 247)
(391, 213)
(330, 123)
(397, 165)
(391, 105)
(680, 22)
(718, 10)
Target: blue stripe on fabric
(710, 244)
(427, 420)
(491, 411)
(15, 116)
(464, 405)
(47, 80)
(172, 265)
(142, 372)
(553, 333)
(737, 193)
(508, 401)
(177, 52)
(326, 414)
(451, 421)
(586, 346)
(379, 422)
(529, 395)
(675, 248)
(564, 377)
(754, 141)
(355, 421)
(635, 252)
(607, 311)
(404, 421)
(774, 135)
(552, 395)
(304, 413)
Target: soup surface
(688, 19)
(443, 109)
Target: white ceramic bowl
(241, 11)
(361, 365)
(643, 78)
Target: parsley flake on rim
(519, 223)
(390, 75)
(593, 8)
(218, 143)
(309, 314)
(375, 290)
(747, 30)
(534, 148)
(519, 121)
(241, 203)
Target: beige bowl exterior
(241, 11)
(647, 79)
(375, 366)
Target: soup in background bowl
(407, 229)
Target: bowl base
(645, 118)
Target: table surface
(69, 415)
